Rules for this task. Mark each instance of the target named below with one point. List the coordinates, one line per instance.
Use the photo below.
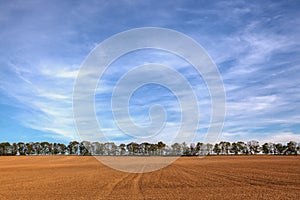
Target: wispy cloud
(255, 47)
(44, 99)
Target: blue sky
(254, 45)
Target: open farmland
(215, 177)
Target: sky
(255, 46)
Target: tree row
(148, 149)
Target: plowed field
(218, 177)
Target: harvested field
(218, 177)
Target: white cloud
(46, 99)
(282, 137)
(255, 48)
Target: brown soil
(219, 177)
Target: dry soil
(216, 177)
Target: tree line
(149, 149)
